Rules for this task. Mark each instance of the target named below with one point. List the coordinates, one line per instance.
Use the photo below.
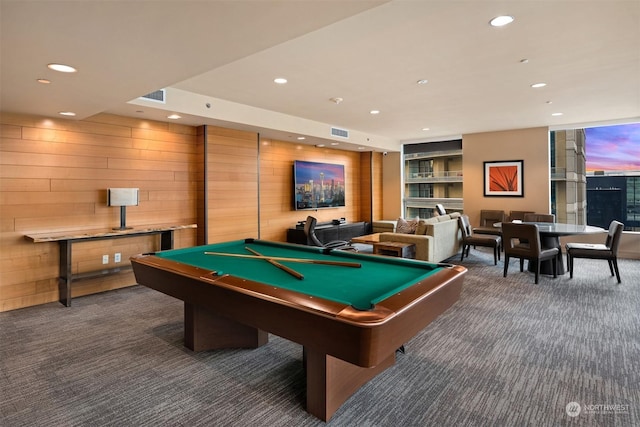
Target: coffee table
(367, 239)
(398, 249)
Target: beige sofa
(436, 238)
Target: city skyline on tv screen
(318, 185)
(613, 148)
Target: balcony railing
(430, 177)
(433, 154)
(454, 204)
(558, 173)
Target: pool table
(350, 320)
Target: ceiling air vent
(342, 133)
(157, 96)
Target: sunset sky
(612, 148)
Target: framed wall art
(503, 178)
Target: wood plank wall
(53, 177)
(276, 186)
(377, 212)
(54, 174)
(232, 175)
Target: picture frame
(504, 178)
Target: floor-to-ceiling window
(596, 175)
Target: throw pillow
(406, 227)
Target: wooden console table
(66, 239)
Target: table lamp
(122, 197)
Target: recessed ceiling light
(524, 61)
(501, 21)
(335, 143)
(425, 129)
(44, 81)
(549, 102)
(280, 80)
(301, 138)
(422, 81)
(319, 145)
(67, 113)
(62, 68)
(336, 100)
(360, 148)
(556, 114)
(374, 112)
(537, 85)
(174, 117)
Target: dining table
(550, 233)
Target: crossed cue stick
(273, 260)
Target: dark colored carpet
(509, 353)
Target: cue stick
(280, 258)
(291, 271)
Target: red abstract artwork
(503, 178)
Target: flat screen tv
(318, 185)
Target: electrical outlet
(117, 257)
(105, 259)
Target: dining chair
(487, 219)
(523, 241)
(518, 215)
(537, 217)
(608, 250)
(469, 239)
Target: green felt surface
(377, 279)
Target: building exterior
(432, 175)
(597, 198)
(614, 197)
(568, 176)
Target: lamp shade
(122, 197)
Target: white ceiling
(370, 53)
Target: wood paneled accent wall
(375, 188)
(276, 186)
(53, 177)
(232, 190)
(54, 174)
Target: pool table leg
(331, 381)
(204, 330)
